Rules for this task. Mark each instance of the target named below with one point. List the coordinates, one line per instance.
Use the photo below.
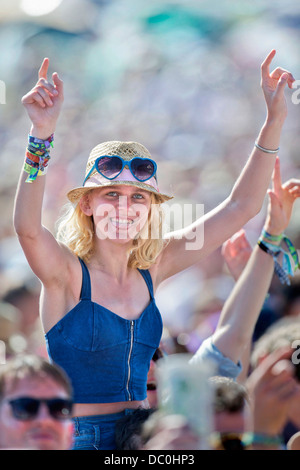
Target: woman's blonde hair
(76, 230)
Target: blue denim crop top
(106, 357)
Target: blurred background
(182, 78)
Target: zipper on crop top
(129, 357)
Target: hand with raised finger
(281, 202)
(273, 85)
(236, 252)
(43, 102)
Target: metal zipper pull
(129, 357)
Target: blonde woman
(98, 308)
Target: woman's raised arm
(43, 104)
(187, 246)
(242, 308)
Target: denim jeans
(96, 432)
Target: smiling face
(41, 433)
(119, 212)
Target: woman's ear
(85, 205)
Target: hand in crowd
(271, 386)
(273, 85)
(44, 101)
(281, 201)
(236, 252)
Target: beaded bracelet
(37, 157)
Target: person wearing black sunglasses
(99, 280)
(35, 405)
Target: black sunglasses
(27, 408)
(111, 166)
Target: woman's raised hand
(273, 85)
(43, 102)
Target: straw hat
(126, 150)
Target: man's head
(35, 405)
(231, 413)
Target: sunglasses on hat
(111, 166)
(27, 408)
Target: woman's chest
(127, 301)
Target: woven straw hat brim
(75, 194)
(127, 151)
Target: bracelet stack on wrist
(290, 262)
(37, 157)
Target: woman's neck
(111, 258)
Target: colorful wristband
(39, 143)
(37, 157)
(271, 238)
(32, 173)
(266, 440)
(290, 261)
